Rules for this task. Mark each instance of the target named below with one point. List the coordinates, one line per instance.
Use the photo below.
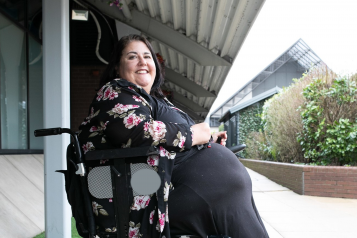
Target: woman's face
(137, 65)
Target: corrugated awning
(198, 40)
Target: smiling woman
(131, 111)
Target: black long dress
(206, 191)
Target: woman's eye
(148, 57)
(132, 57)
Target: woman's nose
(142, 60)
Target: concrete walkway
(290, 215)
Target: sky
(328, 27)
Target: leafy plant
(329, 121)
(249, 121)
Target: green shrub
(329, 121)
(312, 121)
(257, 146)
(281, 120)
(249, 121)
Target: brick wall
(288, 175)
(325, 181)
(83, 86)
(331, 181)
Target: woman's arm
(201, 134)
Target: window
(21, 102)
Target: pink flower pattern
(151, 219)
(100, 128)
(167, 213)
(87, 147)
(110, 94)
(132, 120)
(153, 160)
(134, 232)
(146, 126)
(120, 108)
(166, 191)
(182, 142)
(100, 93)
(161, 220)
(157, 130)
(165, 153)
(137, 99)
(140, 202)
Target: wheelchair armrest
(121, 153)
(237, 148)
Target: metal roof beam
(174, 39)
(191, 113)
(186, 84)
(188, 103)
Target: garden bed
(324, 181)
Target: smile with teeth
(141, 71)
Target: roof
(249, 102)
(299, 52)
(198, 40)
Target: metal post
(56, 113)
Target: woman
(210, 190)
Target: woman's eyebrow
(134, 52)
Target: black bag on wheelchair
(74, 193)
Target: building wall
(83, 89)
(247, 97)
(281, 78)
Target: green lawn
(74, 231)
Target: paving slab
(14, 223)
(22, 195)
(30, 167)
(40, 158)
(290, 215)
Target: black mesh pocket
(100, 182)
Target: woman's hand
(201, 133)
(222, 134)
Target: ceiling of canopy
(198, 40)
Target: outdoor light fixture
(80, 15)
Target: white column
(56, 114)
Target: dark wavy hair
(111, 72)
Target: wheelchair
(114, 181)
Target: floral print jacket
(121, 116)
